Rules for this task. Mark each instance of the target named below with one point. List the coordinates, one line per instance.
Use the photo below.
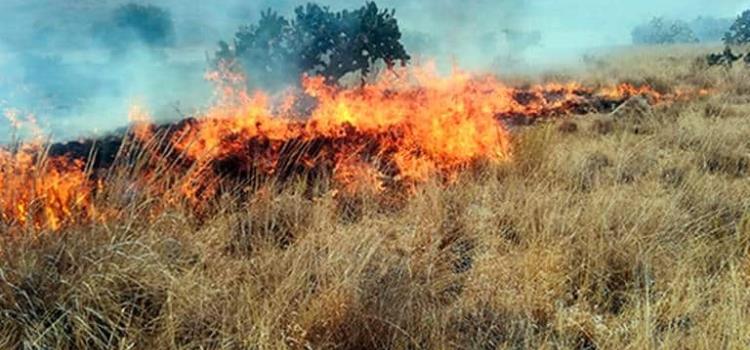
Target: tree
(131, 23)
(276, 51)
(739, 32)
(263, 50)
(368, 35)
(660, 31)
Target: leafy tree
(263, 49)
(276, 51)
(368, 35)
(131, 23)
(739, 32)
(660, 31)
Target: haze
(87, 91)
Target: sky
(587, 23)
(564, 23)
(51, 66)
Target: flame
(409, 125)
(20, 122)
(620, 90)
(142, 126)
(404, 126)
(42, 193)
(12, 116)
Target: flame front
(402, 129)
(419, 128)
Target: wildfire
(43, 193)
(401, 129)
(413, 128)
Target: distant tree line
(661, 30)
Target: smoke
(53, 65)
(56, 68)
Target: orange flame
(420, 123)
(42, 193)
(404, 128)
(142, 125)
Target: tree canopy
(739, 32)
(317, 41)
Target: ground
(624, 231)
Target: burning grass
(331, 236)
(391, 135)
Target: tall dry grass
(624, 232)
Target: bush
(739, 32)
(276, 51)
(660, 31)
(133, 23)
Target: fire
(42, 193)
(141, 121)
(402, 129)
(630, 90)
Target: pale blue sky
(582, 23)
(564, 23)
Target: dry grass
(619, 233)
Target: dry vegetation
(604, 232)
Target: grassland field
(605, 231)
